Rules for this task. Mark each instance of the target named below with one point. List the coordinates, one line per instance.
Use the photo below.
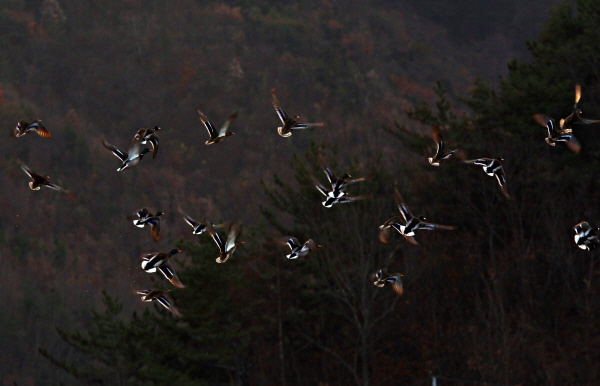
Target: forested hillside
(505, 298)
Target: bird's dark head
(346, 175)
(422, 218)
(174, 252)
(500, 159)
(296, 117)
(159, 214)
(156, 128)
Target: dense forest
(505, 298)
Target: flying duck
(148, 135)
(38, 180)
(24, 128)
(300, 250)
(198, 227)
(383, 278)
(217, 136)
(338, 186)
(493, 168)
(585, 236)
(406, 224)
(564, 131)
(145, 217)
(159, 296)
(132, 158)
(289, 124)
(343, 199)
(155, 260)
(227, 247)
(440, 155)
(558, 134)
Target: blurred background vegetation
(506, 298)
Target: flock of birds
(406, 224)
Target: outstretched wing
(29, 172)
(384, 234)
(166, 270)
(546, 121)
(346, 199)
(162, 300)
(118, 153)
(155, 229)
(51, 185)
(217, 237)
(583, 121)
(397, 284)
(310, 245)
(355, 180)
(292, 242)
(330, 175)
(480, 161)
(501, 177)
(280, 113)
(430, 226)
(322, 189)
(40, 129)
(193, 223)
(227, 123)
(307, 125)
(404, 211)
(437, 138)
(189, 220)
(209, 126)
(231, 236)
(572, 143)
